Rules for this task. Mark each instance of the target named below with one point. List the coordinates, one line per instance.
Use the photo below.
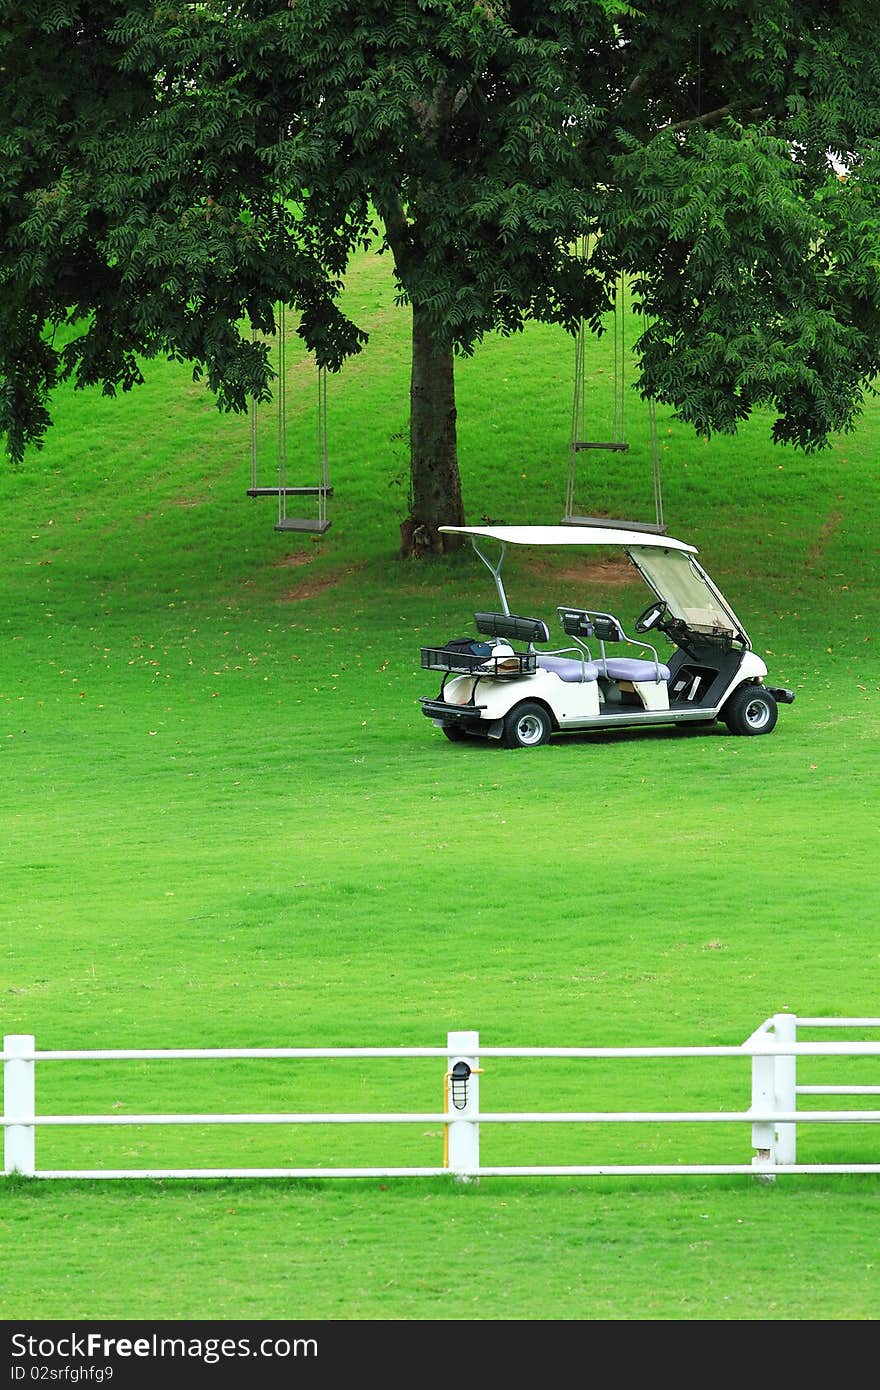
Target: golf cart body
(517, 682)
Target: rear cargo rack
(470, 664)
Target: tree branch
(710, 118)
(431, 115)
(397, 232)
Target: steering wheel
(653, 616)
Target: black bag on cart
(471, 646)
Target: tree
(171, 170)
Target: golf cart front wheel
(751, 710)
(527, 726)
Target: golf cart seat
(582, 623)
(628, 668)
(571, 669)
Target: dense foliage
(169, 171)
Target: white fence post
(19, 1100)
(785, 1030)
(764, 1102)
(463, 1104)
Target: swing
(315, 525)
(618, 443)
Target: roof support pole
(496, 572)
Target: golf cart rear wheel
(455, 733)
(751, 710)
(527, 726)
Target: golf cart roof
(668, 566)
(571, 535)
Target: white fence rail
(773, 1113)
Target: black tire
(528, 725)
(751, 710)
(455, 733)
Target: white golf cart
(517, 688)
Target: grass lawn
(225, 822)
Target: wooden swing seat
(612, 522)
(302, 523)
(290, 491)
(616, 445)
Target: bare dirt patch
(310, 587)
(294, 561)
(828, 529)
(614, 573)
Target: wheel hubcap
(530, 729)
(757, 714)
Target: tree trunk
(436, 485)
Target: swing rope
(252, 419)
(577, 442)
(323, 452)
(620, 362)
(281, 402)
(322, 490)
(655, 465)
(577, 414)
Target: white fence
(773, 1114)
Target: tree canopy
(170, 171)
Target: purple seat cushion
(628, 668)
(569, 669)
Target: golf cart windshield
(688, 592)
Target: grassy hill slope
(226, 822)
